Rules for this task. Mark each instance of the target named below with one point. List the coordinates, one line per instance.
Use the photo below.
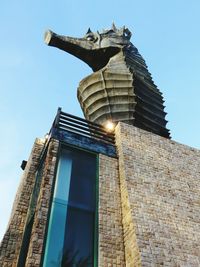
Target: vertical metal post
(57, 119)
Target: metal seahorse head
(94, 48)
(121, 87)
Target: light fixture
(44, 139)
(46, 136)
(23, 164)
(110, 126)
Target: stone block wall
(160, 187)
(111, 245)
(11, 243)
(37, 239)
(149, 202)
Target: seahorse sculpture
(121, 87)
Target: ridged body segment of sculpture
(121, 87)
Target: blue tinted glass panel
(70, 236)
(82, 186)
(62, 184)
(56, 234)
(78, 247)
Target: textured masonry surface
(149, 202)
(162, 180)
(43, 204)
(111, 246)
(11, 243)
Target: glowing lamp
(110, 126)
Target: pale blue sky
(35, 79)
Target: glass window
(63, 178)
(82, 186)
(70, 237)
(78, 246)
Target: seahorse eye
(90, 38)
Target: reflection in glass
(70, 237)
(78, 246)
(62, 183)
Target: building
(96, 197)
(144, 212)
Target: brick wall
(111, 247)
(149, 202)
(42, 209)
(161, 180)
(11, 243)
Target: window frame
(63, 146)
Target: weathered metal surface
(78, 132)
(121, 87)
(84, 142)
(67, 122)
